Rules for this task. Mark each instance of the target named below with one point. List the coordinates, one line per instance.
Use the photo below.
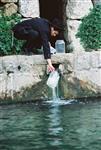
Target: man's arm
(46, 49)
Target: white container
(53, 79)
(60, 46)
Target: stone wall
(24, 77)
(26, 8)
(75, 10)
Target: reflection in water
(54, 126)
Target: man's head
(54, 32)
(56, 27)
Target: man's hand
(50, 67)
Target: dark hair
(57, 24)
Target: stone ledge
(77, 59)
(36, 59)
(80, 78)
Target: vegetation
(8, 45)
(89, 31)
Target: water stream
(52, 82)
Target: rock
(9, 1)
(76, 9)
(10, 9)
(29, 8)
(73, 42)
(92, 76)
(78, 88)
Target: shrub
(6, 46)
(89, 30)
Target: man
(38, 31)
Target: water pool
(74, 126)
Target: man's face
(54, 33)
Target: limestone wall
(81, 76)
(75, 10)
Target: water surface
(75, 126)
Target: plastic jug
(60, 46)
(53, 79)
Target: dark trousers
(31, 37)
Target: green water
(46, 127)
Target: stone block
(10, 9)
(74, 42)
(29, 8)
(76, 9)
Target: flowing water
(43, 126)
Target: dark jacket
(42, 26)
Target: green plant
(89, 30)
(6, 46)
